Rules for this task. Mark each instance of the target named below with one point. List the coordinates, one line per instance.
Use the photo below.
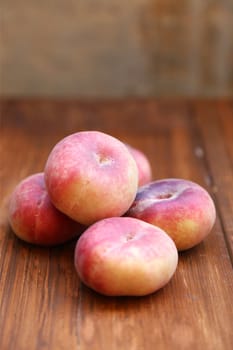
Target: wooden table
(43, 304)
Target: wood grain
(219, 161)
(44, 306)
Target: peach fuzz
(143, 164)
(180, 207)
(91, 175)
(33, 217)
(125, 256)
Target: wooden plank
(127, 116)
(42, 303)
(35, 288)
(215, 130)
(225, 111)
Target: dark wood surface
(43, 305)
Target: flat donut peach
(125, 256)
(143, 164)
(34, 218)
(90, 176)
(180, 207)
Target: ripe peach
(143, 164)
(180, 207)
(34, 219)
(125, 256)
(90, 176)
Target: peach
(125, 256)
(143, 164)
(33, 217)
(180, 207)
(91, 175)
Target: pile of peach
(129, 229)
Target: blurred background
(115, 48)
